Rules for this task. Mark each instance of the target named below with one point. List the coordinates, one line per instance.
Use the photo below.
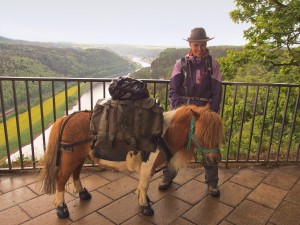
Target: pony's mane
(183, 113)
(208, 125)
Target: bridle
(199, 150)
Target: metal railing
(261, 121)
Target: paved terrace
(249, 195)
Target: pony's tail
(47, 176)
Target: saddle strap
(69, 146)
(58, 155)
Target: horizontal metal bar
(235, 111)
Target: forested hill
(31, 60)
(162, 67)
(150, 52)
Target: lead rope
(191, 133)
(191, 138)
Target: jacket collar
(195, 58)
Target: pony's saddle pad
(120, 126)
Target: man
(196, 79)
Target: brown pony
(187, 130)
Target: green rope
(199, 150)
(191, 134)
(199, 154)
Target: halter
(200, 151)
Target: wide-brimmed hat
(198, 35)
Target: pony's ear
(207, 106)
(194, 113)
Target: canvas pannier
(123, 125)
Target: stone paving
(249, 195)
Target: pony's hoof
(85, 195)
(147, 211)
(62, 211)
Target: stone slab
(15, 197)
(233, 194)
(92, 219)
(287, 214)
(248, 178)
(79, 209)
(13, 216)
(49, 218)
(119, 188)
(167, 210)
(122, 209)
(281, 180)
(249, 213)
(268, 195)
(294, 194)
(192, 192)
(208, 211)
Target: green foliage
(274, 29)
(271, 56)
(256, 120)
(29, 60)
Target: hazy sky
(153, 22)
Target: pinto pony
(188, 131)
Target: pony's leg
(144, 201)
(78, 188)
(76, 178)
(145, 178)
(69, 162)
(59, 201)
(59, 198)
(61, 207)
(61, 180)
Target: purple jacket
(199, 83)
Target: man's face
(198, 48)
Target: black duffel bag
(128, 88)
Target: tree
(275, 28)
(272, 55)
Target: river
(85, 101)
